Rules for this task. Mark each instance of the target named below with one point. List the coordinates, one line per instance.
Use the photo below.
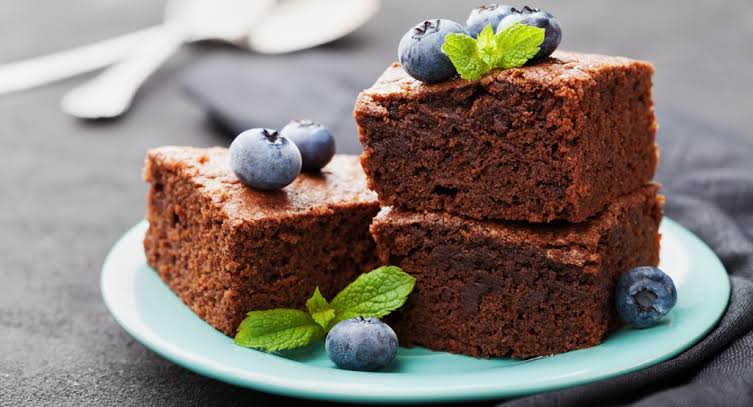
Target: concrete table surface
(69, 188)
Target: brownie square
(494, 288)
(556, 140)
(226, 249)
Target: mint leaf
(518, 44)
(374, 294)
(278, 329)
(324, 317)
(320, 309)
(464, 55)
(510, 48)
(486, 42)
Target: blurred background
(70, 187)
(703, 51)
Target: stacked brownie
(516, 201)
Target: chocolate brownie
(556, 140)
(496, 288)
(225, 248)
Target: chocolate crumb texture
(226, 249)
(497, 288)
(556, 140)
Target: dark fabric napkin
(240, 92)
(707, 177)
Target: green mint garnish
(320, 309)
(373, 294)
(464, 55)
(510, 48)
(278, 329)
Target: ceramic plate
(144, 306)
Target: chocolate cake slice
(492, 288)
(559, 139)
(226, 249)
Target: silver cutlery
(262, 25)
(110, 93)
(22, 75)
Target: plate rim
(378, 394)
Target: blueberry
(536, 18)
(644, 295)
(366, 344)
(420, 50)
(262, 159)
(314, 141)
(490, 14)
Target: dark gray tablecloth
(68, 189)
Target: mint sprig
(372, 294)
(320, 309)
(278, 329)
(510, 48)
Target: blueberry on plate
(314, 141)
(490, 14)
(365, 344)
(262, 159)
(420, 50)
(644, 295)
(536, 18)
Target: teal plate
(144, 306)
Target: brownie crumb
(557, 140)
(226, 249)
(496, 288)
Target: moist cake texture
(493, 288)
(226, 249)
(559, 139)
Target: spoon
(111, 93)
(299, 24)
(264, 26)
